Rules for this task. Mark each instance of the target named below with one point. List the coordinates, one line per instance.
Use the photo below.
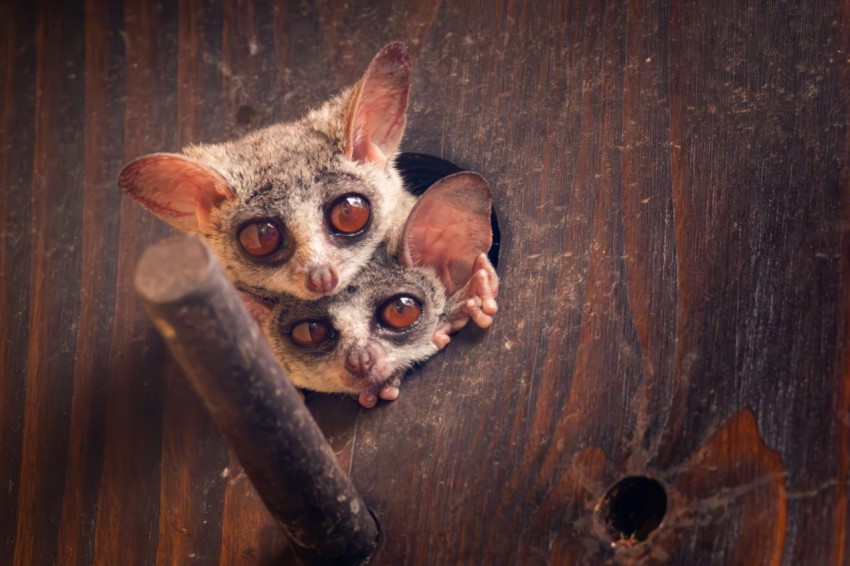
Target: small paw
(441, 337)
(478, 296)
(390, 391)
(482, 306)
(367, 399)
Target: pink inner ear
(449, 227)
(375, 119)
(178, 189)
(258, 308)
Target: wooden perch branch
(259, 412)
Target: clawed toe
(367, 400)
(390, 391)
(479, 296)
(441, 336)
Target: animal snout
(360, 362)
(322, 279)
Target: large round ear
(180, 190)
(374, 115)
(449, 227)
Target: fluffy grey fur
(440, 262)
(353, 315)
(291, 173)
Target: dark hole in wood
(632, 509)
(245, 115)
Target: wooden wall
(673, 190)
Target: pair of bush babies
(351, 277)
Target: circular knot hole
(632, 509)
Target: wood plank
(839, 549)
(753, 144)
(128, 507)
(649, 238)
(17, 29)
(103, 132)
(56, 196)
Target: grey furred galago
(295, 211)
(400, 309)
(265, 202)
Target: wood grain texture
(16, 167)
(103, 130)
(671, 180)
(54, 283)
(129, 491)
(191, 486)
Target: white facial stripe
(352, 321)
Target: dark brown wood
(233, 370)
(17, 27)
(55, 239)
(672, 181)
(129, 497)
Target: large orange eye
(349, 215)
(260, 239)
(310, 333)
(400, 313)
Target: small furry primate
(300, 207)
(296, 211)
(401, 308)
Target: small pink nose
(322, 280)
(359, 362)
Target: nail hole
(244, 115)
(632, 509)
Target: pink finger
(367, 400)
(389, 393)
